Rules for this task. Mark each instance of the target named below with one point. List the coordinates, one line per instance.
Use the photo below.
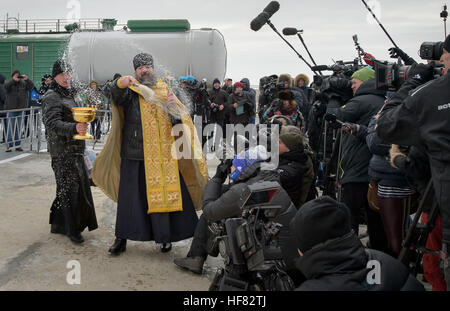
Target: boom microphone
(320, 68)
(290, 31)
(263, 17)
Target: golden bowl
(83, 115)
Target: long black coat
(355, 154)
(73, 208)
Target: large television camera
(391, 76)
(249, 245)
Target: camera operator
(267, 93)
(16, 98)
(355, 154)
(423, 116)
(222, 201)
(333, 258)
(285, 82)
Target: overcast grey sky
(328, 27)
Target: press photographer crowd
(365, 146)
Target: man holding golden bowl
(73, 209)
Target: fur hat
(285, 95)
(285, 77)
(301, 76)
(142, 59)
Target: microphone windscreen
(272, 8)
(290, 31)
(259, 21)
(319, 68)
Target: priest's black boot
(76, 238)
(119, 246)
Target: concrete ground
(33, 259)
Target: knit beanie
(239, 84)
(142, 59)
(364, 74)
(318, 221)
(292, 137)
(60, 66)
(216, 81)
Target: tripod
(413, 247)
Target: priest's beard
(146, 78)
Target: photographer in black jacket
(223, 201)
(418, 114)
(334, 259)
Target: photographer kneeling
(332, 257)
(221, 202)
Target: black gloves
(223, 169)
(397, 52)
(422, 72)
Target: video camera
(391, 76)
(249, 245)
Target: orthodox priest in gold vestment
(152, 164)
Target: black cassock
(73, 208)
(135, 224)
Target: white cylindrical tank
(99, 55)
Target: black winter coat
(57, 106)
(292, 168)
(224, 202)
(341, 265)
(132, 137)
(220, 97)
(355, 154)
(17, 94)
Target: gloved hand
(350, 128)
(223, 169)
(397, 52)
(422, 72)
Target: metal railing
(24, 128)
(50, 25)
